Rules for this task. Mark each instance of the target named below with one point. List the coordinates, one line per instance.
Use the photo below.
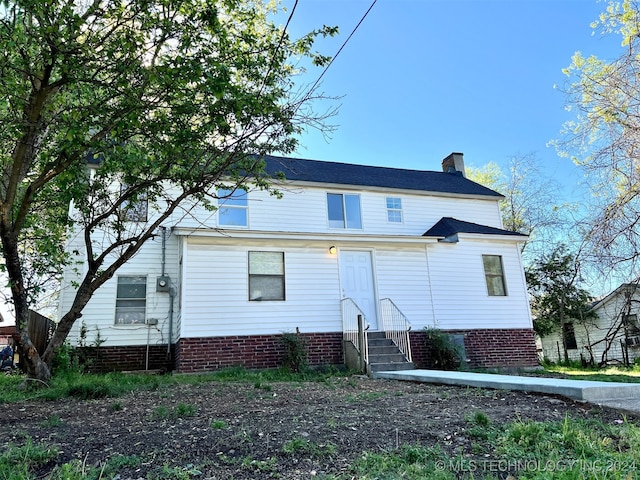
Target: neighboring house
(217, 289)
(612, 336)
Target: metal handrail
(350, 330)
(396, 326)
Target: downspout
(164, 247)
(171, 290)
(172, 294)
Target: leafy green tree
(603, 138)
(169, 100)
(555, 295)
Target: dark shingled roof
(448, 226)
(364, 175)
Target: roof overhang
(455, 238)
(279, 184)
(233, 235)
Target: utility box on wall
(163, 283)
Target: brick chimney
(454, 163)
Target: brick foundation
(134, 357)
(489, 348)
(253, 351)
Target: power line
(315, 84)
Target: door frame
(371, 255)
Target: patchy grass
(94, 386)
(472, 433)
(609, 374)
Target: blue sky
(423, 78)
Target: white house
(612, 336)
(217, 289)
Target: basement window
(131, 300)
(494, 275)
(266, 276)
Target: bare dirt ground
(275, 430)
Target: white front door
(356, 272)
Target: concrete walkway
(622, 396)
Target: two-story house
(219, 288)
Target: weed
(260, 465)
(218, 424)
(160, 412)
(52, 421)
(185, 410)
(481, 419)
(302, 446)
(18, 462)
(365, 396)
(116, 407)
(295, 352)
(176, 473)
(408, 461)
(481, 428)
(263, 386)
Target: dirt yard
(274, 430)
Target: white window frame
(234, 201)
(261, 272)
(346, 222)
(122, 301)
(631, 325)
(394, 206)
(491, 276)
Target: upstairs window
(494, 275)
(266, 276)
(131, 300)
(630, 323)
(233, 207)
(134, 209)
(394, 210)
(344, 211)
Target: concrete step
(380, 342)
(376, 335)
(390, 367)
(382, 349)
(387, 358)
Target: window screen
(266, 276)
(131, 300)
(494, 275)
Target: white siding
(216, 300)
(99, 314)
(594, 331)
(305, 210)
(431, 283)
(459, 288)
(403, 277)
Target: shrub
(443, 354)
(295, 352)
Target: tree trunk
(30, 358)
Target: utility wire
(341, 48)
